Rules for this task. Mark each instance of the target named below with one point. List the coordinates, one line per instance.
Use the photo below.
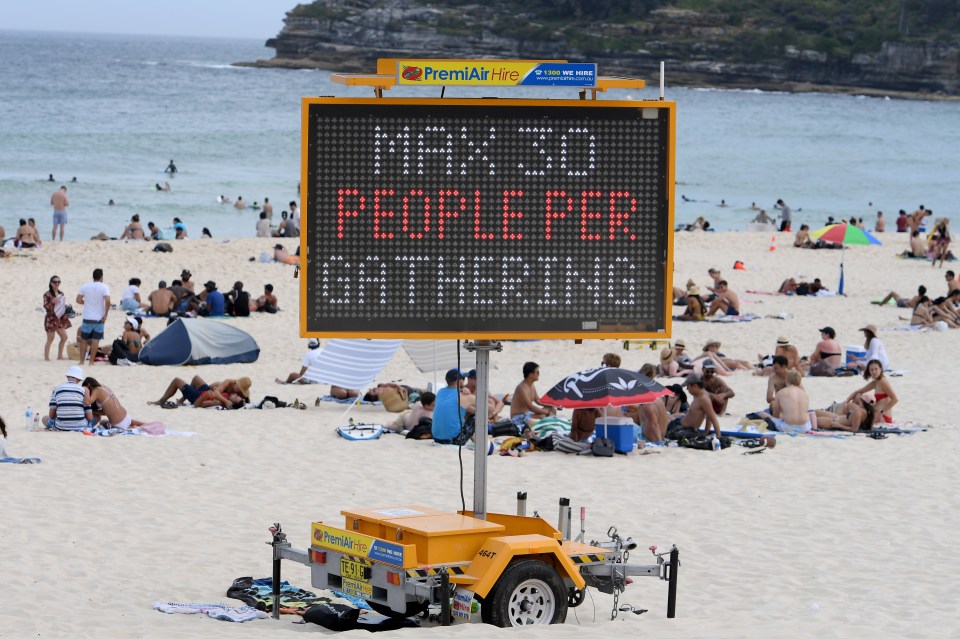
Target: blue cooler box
(621, 434)
(855, 354)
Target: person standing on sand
(55, 322)
(95, 297)
(786, 215)
(60, 203)
(942, 244)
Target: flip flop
(169, 404)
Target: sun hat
(313, 342)
(679, 344)
(666, 354)
(134, 322)
(693, 290)
(711, 342)
(870, 327)
(783, 341)
(211, 285)
(75, 372)
(244, 384)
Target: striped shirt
(67, 401)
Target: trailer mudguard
(492, 559)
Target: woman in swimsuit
(695, 311)
(942, 244)
(55, 322)
(826, 357)
(881, 387)
(857, 414)
(106, 404)
(921, 313)
(134, 338)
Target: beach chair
(352, 363)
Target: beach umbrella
(600, 387)
(844, 234)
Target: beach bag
(422, 430)
(680, 433)
(118, 351)
(466, 433)
(822, 369)
(504, 428)
(337, 617)
(602, 447)
(564, 444)
(60, 306)
(162, 247)
(395, 401)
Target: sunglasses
(54, 281)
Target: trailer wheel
(528, 592)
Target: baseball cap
(313, 342)
(692, 378)
(453, 375)
(829, 331)
(708, 363)
(471, 374)
(75, 372)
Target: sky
(260, 19)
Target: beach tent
(200, 341)
(352, 363)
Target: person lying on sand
(230, 393)
(903, 302)
(852, 415)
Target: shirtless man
(200, 394)
(267, 208)
(239, 203)
(791, 405)
(652, 418)
(778, 378)
(718, 390)
(714, 274)
(952, 284)
(162, 300)
(916, 218)
(917, 247)
(60, 202)
(27, 236)
(267, 302)
(494, 405)
(701, 408)
(803, 237)
(134, 230)
(762, 218)
(524, 406)
(726, 301)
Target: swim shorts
(784, 427)
(91, 331)
(732, 311)
(193, 394)
(59, 217)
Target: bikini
(886, 418)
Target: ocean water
(112, 110)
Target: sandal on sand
(169, 404)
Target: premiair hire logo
(412, 74)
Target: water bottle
(28, 418)
(716, 443)
(36, 421)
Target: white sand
(818, 537)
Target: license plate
(355, 570)
(356, 588)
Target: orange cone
(773, 243)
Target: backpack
(566, 445)
(422, 430)
(469, 426)
(602, 447)
(702, 442)
(504, 428)
(118, 351)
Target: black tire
(528, 592)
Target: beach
(818, 537)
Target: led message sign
(486, 218)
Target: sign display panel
(496, 73)
(486, 218)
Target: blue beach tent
(199, 341)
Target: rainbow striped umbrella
(844, 234)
